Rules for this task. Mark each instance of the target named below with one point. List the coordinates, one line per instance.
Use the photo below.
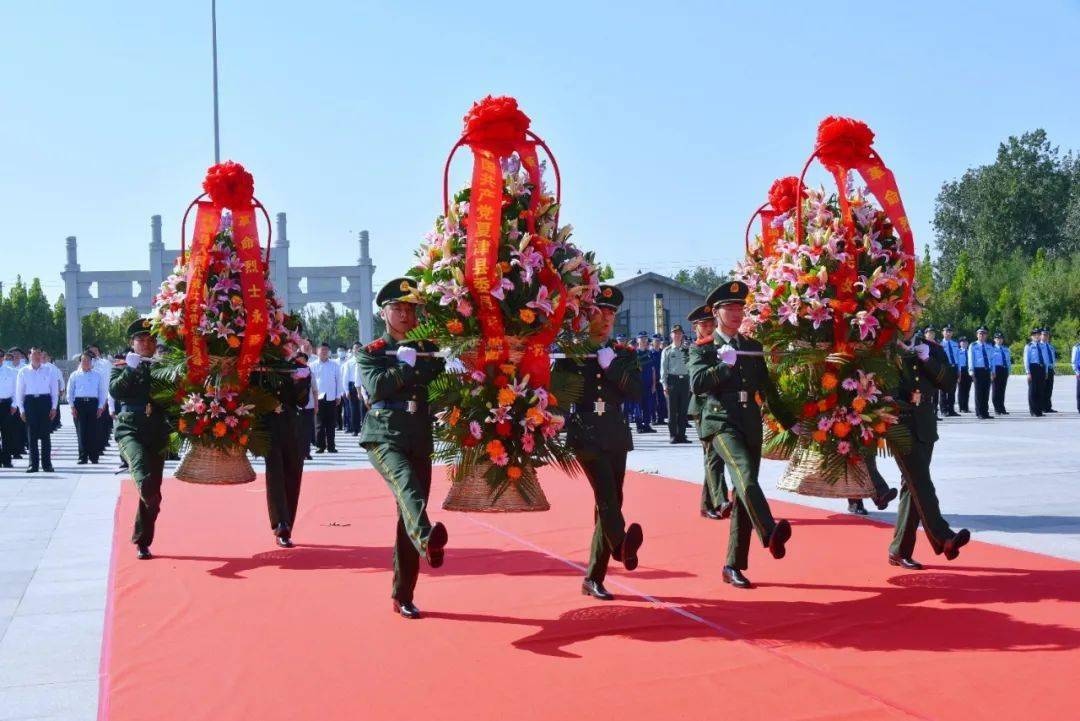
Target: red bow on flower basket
(783, 197)
(229, 186)
(844, 144)
(495, 128)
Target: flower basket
(769, 449)
(808, 474)
(215, 466)
(473, 493)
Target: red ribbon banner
(206, 226)
(253, 286)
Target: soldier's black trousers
(87, 428)
(714, 491)
(39, 430)
(605, 471)
(1048, 390)
(7, 432)
(918, 503)
(144, 452)
(285, 466)
(965, 391)
(1036, 389)
(326, 426)
(678, 393)
(947, 399)
(1001, 380)
(408, 474)
(751, 512)
(982, 392)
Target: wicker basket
(805, 475)
(473, 494)
(767, 434)
(213, 466)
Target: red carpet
(224, 626)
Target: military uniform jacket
(389, 388)
(729, 394)
(130, 388)
(917, 410)
(603, 427)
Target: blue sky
(669, 120)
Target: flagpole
(213, 34)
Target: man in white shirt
(18, 360)
(86, 394)
(327, 378)
(350, 374)
(103, 366)
(7, 410)
(37, 396)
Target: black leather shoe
(952, 547)
(631, 543)
(882, 502)
(31, 469)
(778, 538)
(1049, 410)
(94, 461)
(905, 562)
(726, 508)
(953, 414)
(331, 450)
(856, 507)
(81, 462)
(436, 545)
(320, 450)
(595, 589)
(710, 514)
(48, 469)
(285, 542)
(734, 576)
(407, 610)
(144, 553)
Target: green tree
(702, 278)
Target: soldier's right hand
(133, 360)
(604, 356)
(407, 355)
(728, 355)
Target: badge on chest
(598, 407)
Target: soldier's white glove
(604, 356)
(455, 365)
(133, 360)
(301, 373)
(922, 351)
(407, 355)
(728, 355)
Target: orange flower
(506, 397)
(234, 341)
(243, 439)
(508, 368)
(905, 321)
(182, 425)
(535, 415)
(819, 436)
(880, 427)
(880, 442)
(858, 404)
(220, 429)
(495, 449)
(505, 266)
(275, 339)
(527, 315)
(841, 429)
(454, 417)
(828, 381)
(455, 326)
(513, 473)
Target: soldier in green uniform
(731, 422)
(599, 433)
(397, 434)
(142, 430)
(288, 443)
(923, 373)
(714, 494)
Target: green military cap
(699, 314)
(140, 326)
(609, 297)
(730, 292)
(677, 327)
(399, 290)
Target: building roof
(662, 279)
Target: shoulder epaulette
(120, 364)
(375, 346)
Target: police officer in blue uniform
(648, 385)
(660, 410)
(1035, 367)
(1002, 362)
(1051, 356)
(956, 359)
(981, 370)
(964, 392)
